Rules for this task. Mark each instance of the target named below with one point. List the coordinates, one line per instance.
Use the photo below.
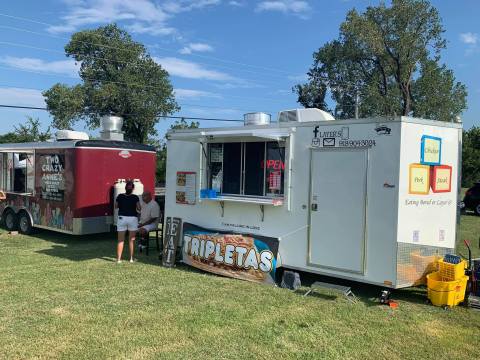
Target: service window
(249, 169)
(17, 172)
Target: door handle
(314, 207)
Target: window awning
(275, 134)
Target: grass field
(64, 297)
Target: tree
(27, 132)
(162, 148)
(471, 157)
(119, 78)
(384, 63)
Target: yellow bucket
(442, 293)
(450, 272)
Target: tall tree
(386, 58)
(162, 148)
(119, 77)
(471, 157)
(30, 131)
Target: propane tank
(119, 188)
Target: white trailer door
(337, 209)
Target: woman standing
(128, 206)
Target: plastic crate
(451, 272)
(446, 293)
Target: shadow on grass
(88, 247)
(103, 246)
(366, 293)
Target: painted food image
(430, 150)
(419, 179)
(429, 173)
(180, 196)
(441, 178)
(181, 179)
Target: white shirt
(149, 211)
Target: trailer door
(337, 209)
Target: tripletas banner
(242, 256)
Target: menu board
(186, 188)
(52, 177)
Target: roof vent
(66, 135)
(111, 128)
(257, 118)
(304, 115)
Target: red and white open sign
(275, 180)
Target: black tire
(10, 220)
(477, 209)
(24, 223)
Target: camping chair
(158, 237)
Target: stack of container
(446, 287)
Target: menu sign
(186, 188)
(52, 176)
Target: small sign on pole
(170, 242)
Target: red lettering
(273, 164)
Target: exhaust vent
(304, 115)
(257, 118)
(111, 128)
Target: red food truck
(67, 185)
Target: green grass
(64, 297)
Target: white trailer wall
(386, 178)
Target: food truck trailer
(67, 185)
(371, 200)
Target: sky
(225, 57)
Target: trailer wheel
(10, 220)
(24, 223)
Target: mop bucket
(446, 293)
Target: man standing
(149, 215)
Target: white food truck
(371, 200)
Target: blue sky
(224, 57)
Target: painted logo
(383, 130)
(125, 154)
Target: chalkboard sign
(170, 242)
(52, 175)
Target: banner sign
(241, 256)
(170, 242)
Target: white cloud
(104, 11)
(295, 7)
(63, 67)
(198, 47)
(236, 3)
(191, 70)
(141, 16)
(469, 38)
(188, 5)
(21, 97)
(195, 94)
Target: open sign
(273, 164)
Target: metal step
(344, 290)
